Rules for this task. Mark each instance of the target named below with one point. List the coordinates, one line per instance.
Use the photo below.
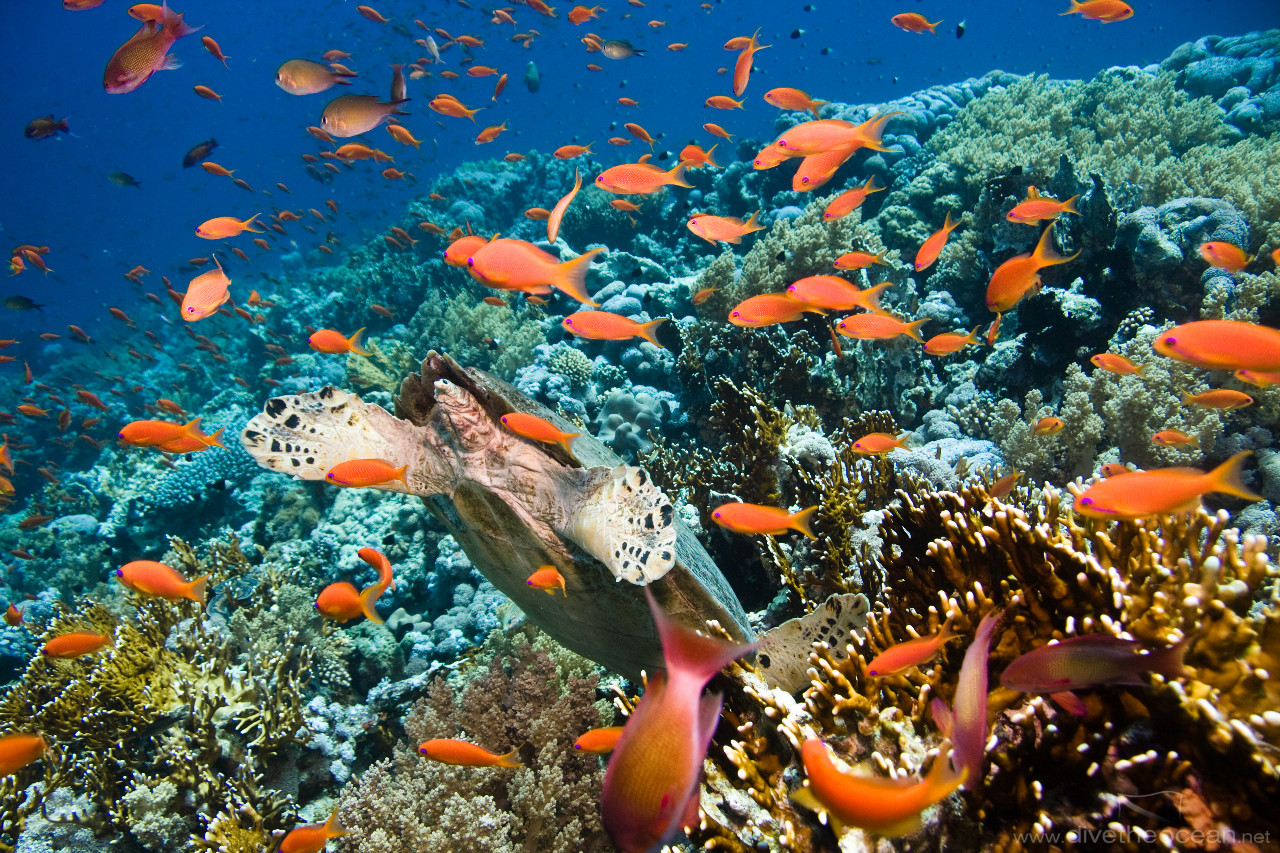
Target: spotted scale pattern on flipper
(627, 524)
(305, 435)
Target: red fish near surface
(651, 785)
(145, 53)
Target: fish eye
(1086, 502)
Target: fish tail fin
(1069, 206)
(646, 331)
(215, 440)
(712, 163)
(753, 222)
(1075, 7)
(1187, 399)
(933, 27)
(942, 718)
(354, 343)
(870, 297)
(689, 654)
(399, 474)
(949, 224)
(1046, 254)
(333, 827)
(1227, 477)
(192, 427)
(871, 186)
(195, 590)
(565, 442)
(511, 759)
(171, 21)
(802, 521)
(676, 177)
(1168, 661)
(571, 277)
(913, 329)
(369, 597)
(943, 778)
(248, 223)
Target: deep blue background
(56, 192)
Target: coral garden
(222, 727)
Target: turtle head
(467, 420)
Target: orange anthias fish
(933, 246)
(858, 260)
(463, 754)
(1047, 426)
(651, 785)
(1037, 208)
(882, 806)
(786, 98)
(341, 602)
(849, 200)
(877, 327)
(606, 326)
(832, 293)
(1222, 345)
(757, 519)
(335, 343)
(352, 115)
(547, 579)
(462, 249)
(206, 293)
(1115, 363)
(1225, 256)
(900, 657)
(1162, 491)
(1106, 11)
(146, 53)
(156, 433)
(557, 212)
(742, 68)
(723, 229)
(304, 77)
(18, 750)
(535, 428)
(156, 579)
(768, 309)
(226, 226)
(914, 22)
(75, 644)
(507, 264)
(951, 342)
(1175, 438)
(639, 178)
(599, 740)
(1218, 398)
(880, 443)
(1019, 276)
(696, 158)
(363, 473)
(1091, 660)
(313, 838)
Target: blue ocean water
(56, 191)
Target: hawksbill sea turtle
(515, 505)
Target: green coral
(571, 363)
(497, 338)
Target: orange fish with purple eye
(463, 754)
(148, 577)
(880, 443)
(607, 326)
(1114, 469)
(769, 309)
(364, 473)
(697, 158)
(1019, 276)
(756, 519)
(1163, 491)
(1038, 208)
(797, 100)
(547, 579)
(640, 178)
(1175, 438)
(1047, 426)
(1118, 364)
(535, 428)
(568, 152)
(859, 260)
(949, 343)
(1106, 11)
(75, 644)
(850, 200)
(723, 229)
(879, 327)
(508, 264)
(1224, 256)
(742, 68)
(333, 342)
(221, 227)
(832, 293)
(914, 22)
(1222, 345)
(1218, 398)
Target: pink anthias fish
(1092, 660)
(966, 721)
(146, 53)
(651, 785)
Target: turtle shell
(600, 617)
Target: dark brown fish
(198, 153)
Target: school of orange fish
(651, 782)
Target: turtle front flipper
(623, 520)
(305, 435)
